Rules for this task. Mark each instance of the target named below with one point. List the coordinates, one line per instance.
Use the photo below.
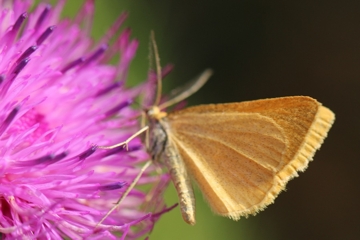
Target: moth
(241, 155)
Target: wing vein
(225, 144)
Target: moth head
(155, 112)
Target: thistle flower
(58, 98)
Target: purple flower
(58, 98)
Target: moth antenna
(157, 68)
(194, 87)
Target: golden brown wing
(242, 154)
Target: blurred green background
(261, 49)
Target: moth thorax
(155, 113)
(157, 140)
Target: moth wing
(243, 154)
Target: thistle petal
(58, 98)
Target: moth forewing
(243, 154)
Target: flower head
(58, 98)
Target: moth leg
(132, 185)
(125, 143)
(143, 124)
(155, 189)
(142, 170)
